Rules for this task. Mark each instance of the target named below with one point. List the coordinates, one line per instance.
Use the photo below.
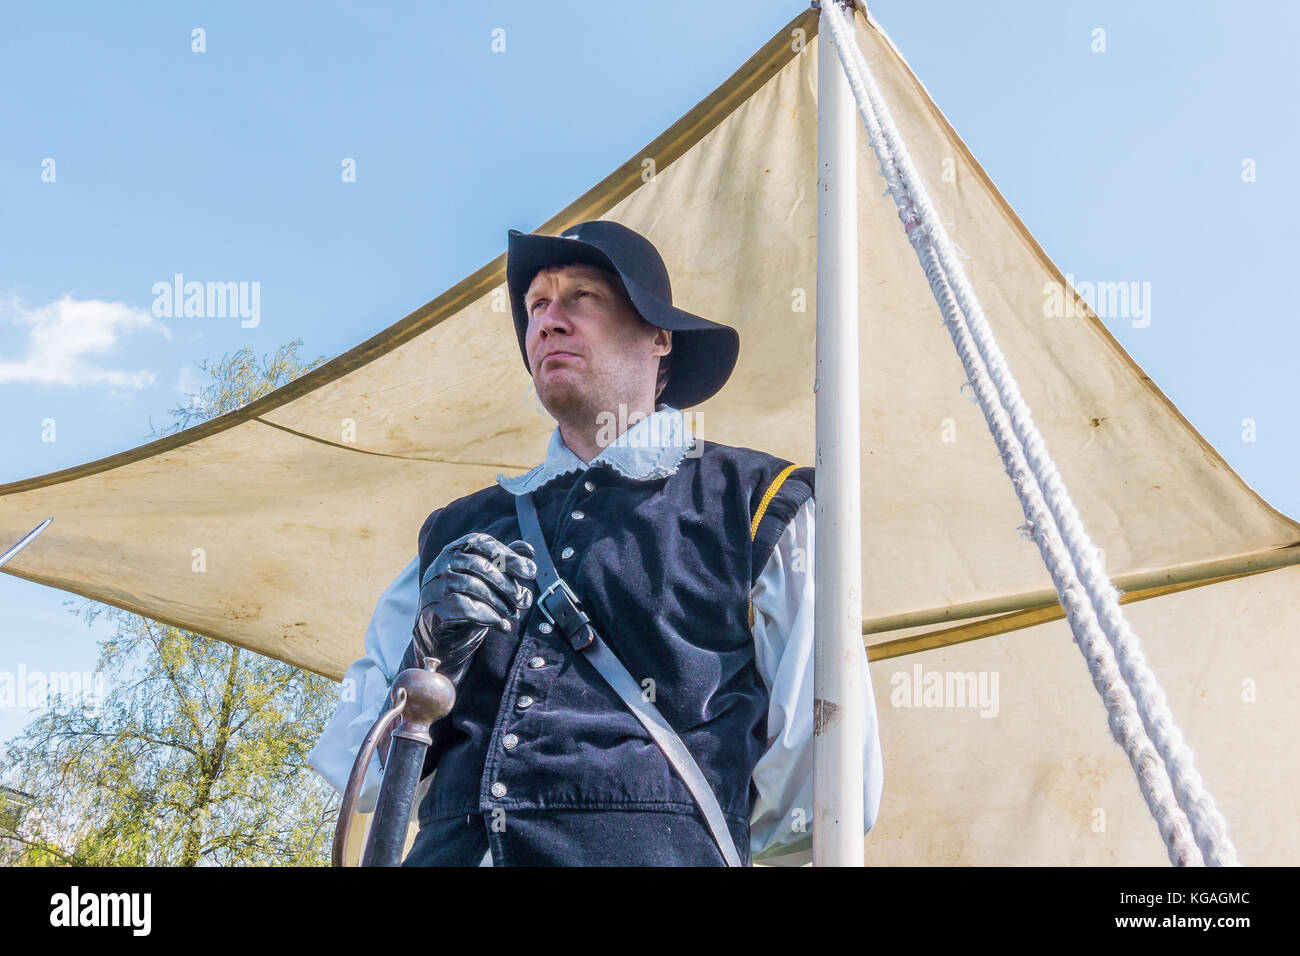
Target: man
(692, 561)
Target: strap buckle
(564, 586)
(569, 618)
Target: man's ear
(663, 341)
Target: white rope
(1070, 556)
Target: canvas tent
(306, 503)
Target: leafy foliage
(196, 754)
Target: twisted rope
(1138, 710)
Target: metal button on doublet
(545, 627)
(537, 662)
(589, 486)
(576, 515)
(498, 789)
(510, 742)
(524, 702)
(566, 553)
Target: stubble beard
(581, 402)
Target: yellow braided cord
(768, 495)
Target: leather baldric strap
(559, 605)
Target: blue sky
(1126, 165)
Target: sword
(23, 542)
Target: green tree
(196, 754)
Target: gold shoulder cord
(768, 495)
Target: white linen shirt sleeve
(365, 688)
(783, 645)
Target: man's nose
(553, 321)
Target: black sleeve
(423, 547)
(781, 508)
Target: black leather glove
(474, 585)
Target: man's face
(588, 348)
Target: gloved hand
(474, 585)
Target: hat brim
(704, 353)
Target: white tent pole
(837, 565)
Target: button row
(511, 740)
(568, 552)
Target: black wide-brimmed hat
(703, 352)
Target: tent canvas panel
(1041, 782)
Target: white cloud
(67, 339)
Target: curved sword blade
(26, 539)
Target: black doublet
(539, 744)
